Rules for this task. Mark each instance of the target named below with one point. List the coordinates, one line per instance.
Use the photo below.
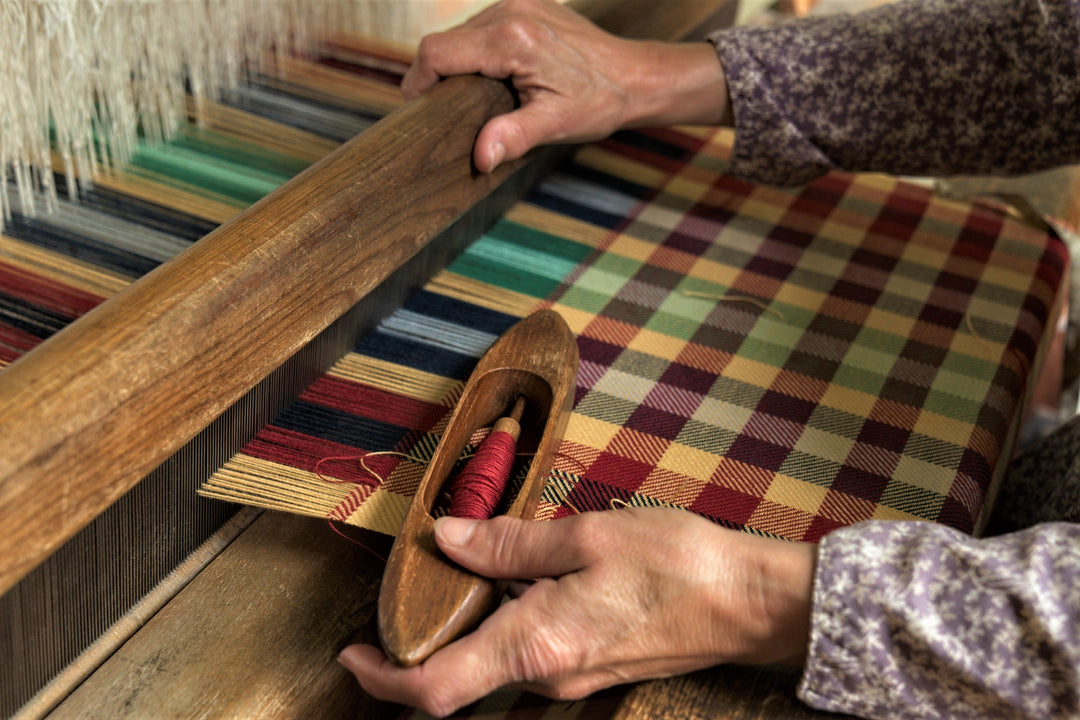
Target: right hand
(575, 82)
(624, 595)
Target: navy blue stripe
(461, 313)
(39, 233)
(653, 145)
(418, 356)
(339, 426)
(30, 318)
(142, 212)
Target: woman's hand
(624, 595)
(575, 82)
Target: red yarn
(480, 486)
(361, 480)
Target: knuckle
(521, 33)
(504, 540)
(517, 6)
(427, 47)
(541, 656)
(587, 532)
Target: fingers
(495, 43)
(422, 686)
(513, 549)
(461, 51)
(458, 674)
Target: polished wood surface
(427, 601)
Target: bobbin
(425, 600)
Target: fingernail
(454, 531)
(498, 153)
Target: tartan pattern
(783, 362)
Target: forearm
(914, 620)
(925, 87)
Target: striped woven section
(59, 264)
(783, 362)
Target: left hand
(575, 82)
(625, 595)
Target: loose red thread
(354, 541)
(579, 463)
(373, 478)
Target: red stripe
(303, 452)
(366, 401)
(46, 293)
(15, 342)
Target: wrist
(676, 83)
(779, 598)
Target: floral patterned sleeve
(921, 87)
(915, 620)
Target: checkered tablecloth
(782, 361)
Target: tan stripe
(562, 226)
(320, 82)
(269, 135)
(60, 268)
(268, 484)
(479, 293)
(398, 379)
(383, 512)
(604, 160)
(146, 188)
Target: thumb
(509, 548)
(511, 135)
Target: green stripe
(239, 152)
(177, 166)
(520, 258)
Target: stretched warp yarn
(85, 79)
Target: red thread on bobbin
(477, 490)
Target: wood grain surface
(255, 635)
(93, 409)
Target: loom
(107, 428)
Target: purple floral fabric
(915, 620)
(927, 87)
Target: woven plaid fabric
(783, 362)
